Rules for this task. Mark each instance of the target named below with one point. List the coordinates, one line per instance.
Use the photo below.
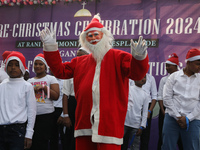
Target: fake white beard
(100, 49)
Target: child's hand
(60, 120)
(182, 122)
(67, 122)
(38, 87)
(139, 132)
(27, 143)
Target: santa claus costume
(100, 84)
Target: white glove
(49, 40)
(139, 50)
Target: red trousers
(85, 143)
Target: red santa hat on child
(193, 54)
(19, 57)
(41, 57)
(5, 55)
(173, 59)
(94, 24)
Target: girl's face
(39, 67)
(13, 69)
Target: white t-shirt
(58, 103)
(44, 104)
(68, 87)
(137, 107)
(17, 103)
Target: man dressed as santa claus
(100, 84)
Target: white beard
(100, 49)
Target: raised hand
(49, 40)
(139, 49)
(48, 37)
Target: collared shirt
(150, 87)
(181, 95)
(17, 103)
(137, 107)
(161, 86)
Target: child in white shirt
(17, 106)
(46, 90)
(136, 116)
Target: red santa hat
(193, 54)
(94, 24)
(41, 57)
(173, 59)
(5, 55)
(19, 57)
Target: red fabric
(94, 24)
(174, 58)
(85, 143)
(19, 55)
(5, 54)
(40, 55)
(192, 53)
(116, 68)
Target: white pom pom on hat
(94, 24)
(173, 59)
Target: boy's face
(39, 67)
(13, 69)
(171, 68)
(141, 82)
(194, 66)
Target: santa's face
(93, 37)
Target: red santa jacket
(101, 91)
